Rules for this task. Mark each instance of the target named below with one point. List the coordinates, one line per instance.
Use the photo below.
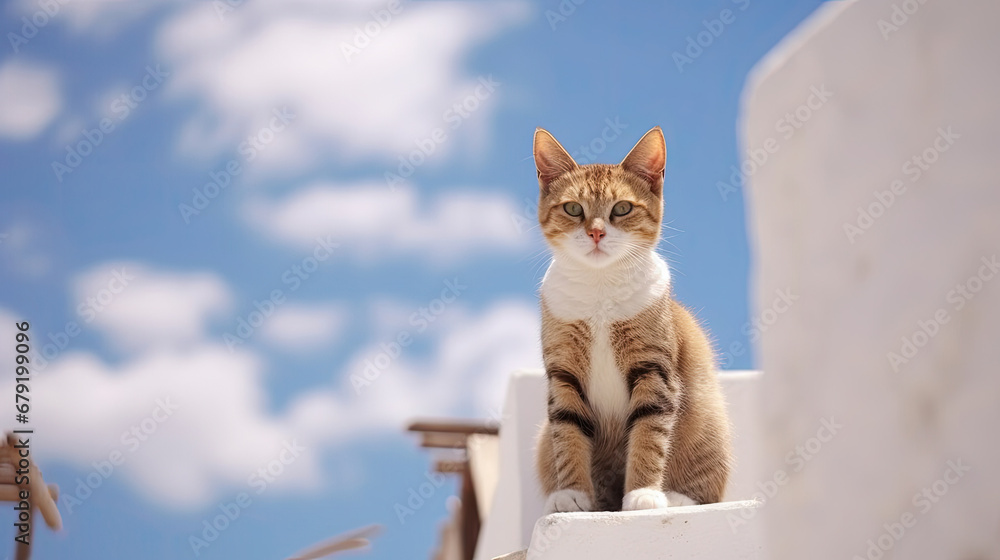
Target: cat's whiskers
(540, 259)
(667, 225)
(668, 241)
(632, 256)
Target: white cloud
(137, 307)
(465, 376)
(279, 53)
(218, 436)
(224, 427)
(301, 327)
(372, 221)
(213, 434)
(29, 99)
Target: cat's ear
(648, 158)
(551, 159)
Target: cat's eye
(621, 208)
(573, 209)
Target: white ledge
(711, 532)
(519, 501)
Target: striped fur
(636, 417)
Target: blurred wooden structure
(474, 457)
(41, 496)
(353, 540)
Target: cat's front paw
(568, 500)
(677, 499)
(644, 498)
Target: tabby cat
(636, 418)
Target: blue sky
(257, 304)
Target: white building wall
(879, 339)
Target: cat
(636, 417)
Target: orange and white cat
(636, 418)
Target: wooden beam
(449, 467)
(10, 492)
(454, 426)
(443, 439)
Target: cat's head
(599, 214)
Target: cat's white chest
(574, 293)
(606, 388)
(601, 297)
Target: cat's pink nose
(597, 234)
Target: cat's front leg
(571, 451)
(653, 399)
(569, 438)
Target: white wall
(905, 426)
